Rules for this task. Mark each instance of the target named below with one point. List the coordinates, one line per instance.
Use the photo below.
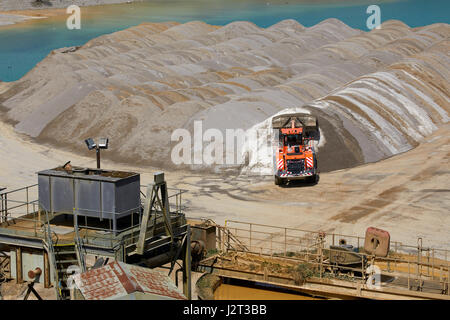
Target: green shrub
(302, 272)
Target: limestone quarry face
(376, 94)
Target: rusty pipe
(32, 274)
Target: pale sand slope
(375, 93)
(9, 5)
(408, 195)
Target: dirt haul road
(408, 195)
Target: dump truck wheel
(314, 179)
(278, 181)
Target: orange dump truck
(295, 157)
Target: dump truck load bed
(304, 120)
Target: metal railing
(49, 244)
(413, 267)
(175, 198)
(17, 202)
(21, 213)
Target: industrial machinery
(99, 213)
(295, 157)
(344, 258)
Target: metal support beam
(154, 203)
(19, 269)
(98, 157)
(119, 254)
(31, 289)
(46, 270)
(187, 265)
(145, 218)
(164, 205)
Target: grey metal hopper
(96, 193)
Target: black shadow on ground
(301, 183)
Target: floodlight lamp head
(103, 143)
(90, 143)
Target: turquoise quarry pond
(24, 45)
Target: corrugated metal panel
(127, 195)
(61, 194)
(30, 261)
(117, 280)
(87, 198)
(108, 200)
(94, 195)
(44, 192)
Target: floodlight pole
(98, 156)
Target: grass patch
(211, 252)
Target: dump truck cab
(295, 157)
